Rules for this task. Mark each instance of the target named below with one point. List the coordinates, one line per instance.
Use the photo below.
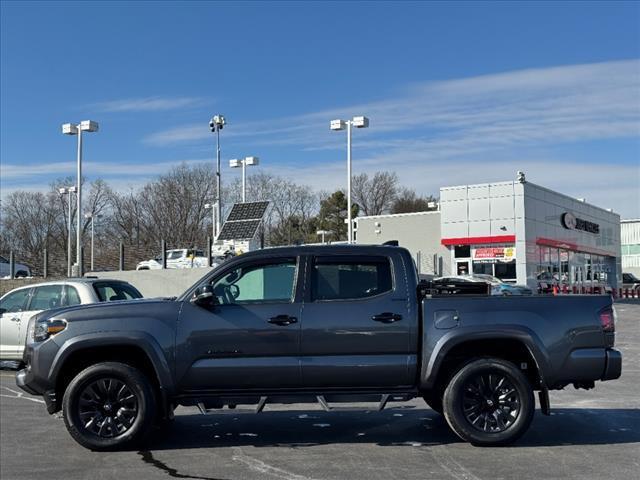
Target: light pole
(212, 206)
(71, 129)
(68, 191)
(358, 122)
(93, 217)
(216, 124)
(243, 162)
(323, 233)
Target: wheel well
(81, 359)
(506, 349)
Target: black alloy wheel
(491, 403)
(107, 407)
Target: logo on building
(571, 222)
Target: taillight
(608, 320)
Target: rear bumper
(613, 365)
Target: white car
(20, 269)
(20, 304)
(178, 258)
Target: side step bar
(383, 400)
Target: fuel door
(446, 319)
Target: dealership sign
(571, 222)
(503, 253)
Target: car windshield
(110, 292)
(174, 254)
(631, 277)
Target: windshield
(174, 254)
(488, 278)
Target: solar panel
(243, 221)
(240, 230)
(248, 211)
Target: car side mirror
(204, 297)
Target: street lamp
(323, 233)
(212, 206)
(243, 162)
(358, 122)
(68, 191)
(71, 129)
(93, 217)
(216, 124)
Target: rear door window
(46, 297)
(111, 292)
(349, 278)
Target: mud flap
(545, 404)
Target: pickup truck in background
(177, 258)
(317, 323)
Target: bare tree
(375, 195)
(408, 201)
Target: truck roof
(323, 250)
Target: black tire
(489, 402)
(434, 400)
(21, 274)
(95, 393)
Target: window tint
(341, 279)
(46, 297)
(71, 296)
(15, 302)
(174, 255)
(111, 292)
(257, 283)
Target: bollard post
(121, 262)
(209, 254)
(163, 246)
(45, 263)
(12, 266)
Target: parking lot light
(216, 124)
(68, 191)
(243, 162)
(92, 216)
(71, 129)
(358, 122)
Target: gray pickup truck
(326, 324)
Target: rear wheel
(109, 405)
(489, 402)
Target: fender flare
(116, 338)
(451, 339)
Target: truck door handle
(283, 320)
(15, 319)
(387, 317)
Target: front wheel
(109, 405)
(489, 402)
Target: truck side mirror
(204, 297)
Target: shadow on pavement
(394, 427)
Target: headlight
(44, 329)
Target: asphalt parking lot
(591, 434)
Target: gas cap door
(446, 319)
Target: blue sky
(456, 92)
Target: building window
(462, 251)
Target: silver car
(20, 304)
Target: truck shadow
(403, 426)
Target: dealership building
(516, 230)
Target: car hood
(142, 307)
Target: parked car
(177, 258)
(21, 270)
(18, 305)
(498, 286)
(316, 323)
(631, 282)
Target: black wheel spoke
(491, 403)
(107, 407)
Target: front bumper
(613, 365)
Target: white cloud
(534, 106)
(147, 104)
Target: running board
(382, 400)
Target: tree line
(171, 207)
